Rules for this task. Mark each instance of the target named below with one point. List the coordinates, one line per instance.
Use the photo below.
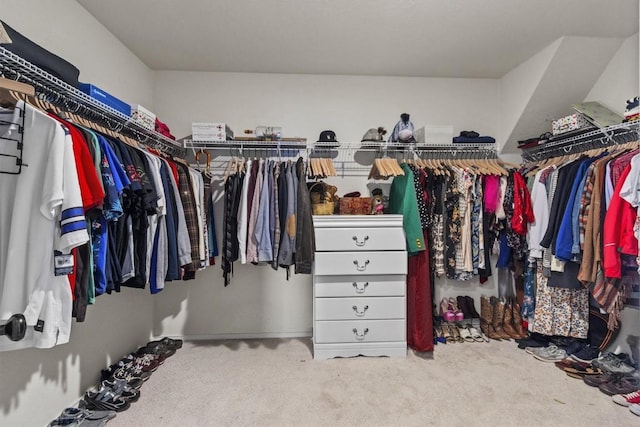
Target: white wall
(35, 385)
(619, 81)
(517, 87)
(66, 29)
(260, 302)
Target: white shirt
(243, 215)
(538, 228)
(40, 210)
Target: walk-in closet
(320, 213)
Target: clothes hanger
(11, 91)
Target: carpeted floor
(276, 382)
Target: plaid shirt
(585, 203)
(190, 215)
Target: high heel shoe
(446, 312)
(453, 306)
(439, 335)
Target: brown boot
(486, 319)
(507, 325)
(498, 318)
(517, 321)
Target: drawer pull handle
(360, 289)
(360, 242)
(360, 313)
(360, 267)
(358, 336)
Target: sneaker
(538, 350)
(597, 380)
(614, 363)
(586, 354)
(534, 341)
(122, 389)
(575, 347)
(105, 400)
(627, 399)
(549, 354)
(622, 385)
(635, 409)
(83, 417)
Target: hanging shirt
(402, 200)
(262, 231)
(41, 211)
(243, 217)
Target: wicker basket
(322, 205)
(325, 208)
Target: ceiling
(426, 38)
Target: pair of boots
(500, 319)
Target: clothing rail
(348, 158)
(611, 135)
(67, 97)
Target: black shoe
(121, 387)
(105, 400)
(471, 305)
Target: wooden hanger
(11, 91)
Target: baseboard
(244, 336)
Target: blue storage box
(106, 98)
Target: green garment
(402, 200)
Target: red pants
(419, 305)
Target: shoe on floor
(627, 399)
(82, 417)
(549, 354)
(623, 385)
(635, 409)
(586, 354)
(534, 341)
(597, 380)
(614, 363)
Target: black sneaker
(105, 400)
(586, 354)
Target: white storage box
(569, 123)
(143, 117)
(439, 134)
(211, 132)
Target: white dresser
(359, 286)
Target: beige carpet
(277, 383)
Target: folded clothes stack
(472, 137)
(632, 110)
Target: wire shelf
(611, 135)
(348, 158)
(73, 100)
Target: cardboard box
(143, 117)
(106, 98)
(211, 132)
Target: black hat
(327, 136)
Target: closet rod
(61, 94)
(616, 134)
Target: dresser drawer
(359, 331)
(360, 308)
(349, 286)
(360, 263)
(360, 239)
